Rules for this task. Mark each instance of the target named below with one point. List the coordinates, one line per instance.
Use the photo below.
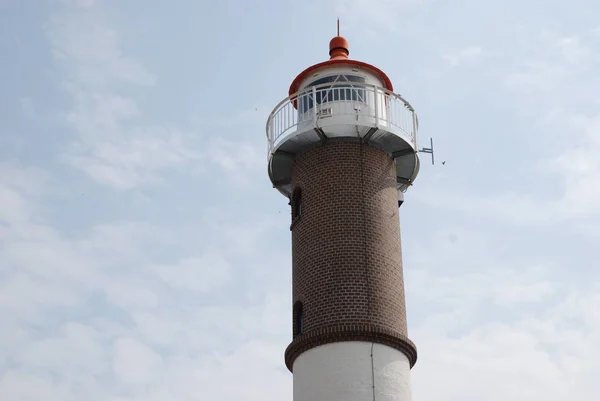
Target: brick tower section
(347, 263)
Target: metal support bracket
(403, 152)
(284, 181)
(369, 134)
(321, 134)
(285, 154)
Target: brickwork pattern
(347, 260)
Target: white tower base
(352, 371)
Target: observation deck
(347, 111)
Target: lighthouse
(342, 147)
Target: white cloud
(466, 55)
(554, 61)
(382, 15)
(479, 278)
(235, 156)
(514, 207)
(131, 294)
(77, 351)
(13, 207)
(79, 3)
(126, 163)
(555, 77)
(111, 146)
(552, 86)
(23, 386)
(17, 183)
(67, 277)
(88, 49)
(494, 326)
(536, 356)
(580, 166)
(135, 362)
(205, 274)
(99, 114)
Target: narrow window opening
(297, 318)
(297, 203)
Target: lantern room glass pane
(332, 93)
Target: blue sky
(145, 256)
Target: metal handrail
(388, 108)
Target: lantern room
(341, 100)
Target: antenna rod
(338, 26)
(429, 150)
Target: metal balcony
(342, 111)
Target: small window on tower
(297, 318)
(297, 203)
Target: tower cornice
(354, 332)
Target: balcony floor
(309, 136)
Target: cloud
(202, 275)
(95, 314)
(79, 3)
(381, 13)
(580, 165)
(536, 355)
(17, 183)
(238, 159)
(554, 62)
(134, 362)
(76, 349)
(19, 385)
(552, 88)
(466, 55)
(127, 163)
(517, 327)
(112, 145)
(556, 78)
(88, 51)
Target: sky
(144, 254)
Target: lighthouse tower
(343, 148)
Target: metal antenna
(429, 150)
(338, 26)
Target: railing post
(270, 136)
(414, 130)
(314, 100)
(375, 90)
(273, 131)
(388, 108)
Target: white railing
(379, 106)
